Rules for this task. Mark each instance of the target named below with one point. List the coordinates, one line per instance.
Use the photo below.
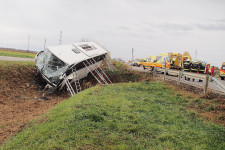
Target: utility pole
(44, 43)
(196, 53)
(60, 38)
(132, 54)
(28, 42)
(132, 57)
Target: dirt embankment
(20, 100)
(20, 97)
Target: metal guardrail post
(179, 76)
(206, 84)
(164, 77)
(154, 72)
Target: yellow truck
(175, 61)
(222, 71)
(169, 60)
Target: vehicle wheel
(222, 78)
(185, 78)
(144, 67)
(193, 80)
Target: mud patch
(20, 99)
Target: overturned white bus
(66, 64)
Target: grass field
(5, 64)
(17, 54)
(146, 115)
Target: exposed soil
(20, 100)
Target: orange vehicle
(141, 62)
(150, 60)
(160, 60)
(222, 71)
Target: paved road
(212, 85)
(15, 58)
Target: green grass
(16, 54)
(5, 64)
(121, 116)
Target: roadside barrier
(189, 76)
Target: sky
(150, 27)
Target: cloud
(118, 25)
(187, 27)
(218, 20)
(176, 27)
(211, 26)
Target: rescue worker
(212, 70)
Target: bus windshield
(51, 66)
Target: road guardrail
(220, 85)
(193, 76)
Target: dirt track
(15, 58)
(20, 101)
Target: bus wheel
(222, 78)
(144, 67)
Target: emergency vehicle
(150, 60)
(222, 71)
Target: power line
(132, 54)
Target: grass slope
(121, 116)
(16, 54)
